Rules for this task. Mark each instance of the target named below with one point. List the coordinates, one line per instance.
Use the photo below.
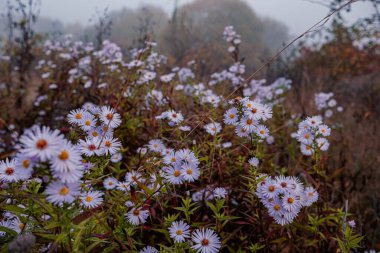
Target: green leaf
(52, 224)
(47, 236)
(78, 239)
(8, 230)
(14, 209)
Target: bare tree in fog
(102, 25)
(21, 17)
(131, 28)
(196, 28)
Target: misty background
(185, 28)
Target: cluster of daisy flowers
(201, 92)
(209, 194)
(11, 221)
(231, 36)
(312, 135)
(248, 117)
(270, 94)
(180, 166)
(207, 96)
(42, 146)
(175, 118)
(284, 197)
(203, 240)
(155, 98)
(234, 72)
(326, 102)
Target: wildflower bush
(126, 153)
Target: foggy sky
(298, 15)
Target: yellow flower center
(64, 191)
(276, 207)
(64, 155)
(21, 226)
(26, 163)
(88, 199)
(109, 116)
(271, 188)
(9, 171)
(232, 116)
(179, 232)
(78, 116)
(177, 173)
(189, 171)
(205, 242)
(290, 200)
(41, 144)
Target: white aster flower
(156, 145)
(110, 145)
(58, 193)
(253, 161)
(41, 142)
(220, 193)
(179, 231)
(90, 146)
(173, 175)
(248, 124)
(213, 128)
(133, 177)
(25, 165)
(262, 131)
(136, 216)
(184, 128)
(231, 116)
(190, 172)
(67, 163)
(91, 199)
(76, 116)
(8, 171)
(109, 117)
(175, 117)
(310, 195)
(205, 241)
(123, 186)
(87, 122)
(110, 183)
(149, 249)
(115, 158)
